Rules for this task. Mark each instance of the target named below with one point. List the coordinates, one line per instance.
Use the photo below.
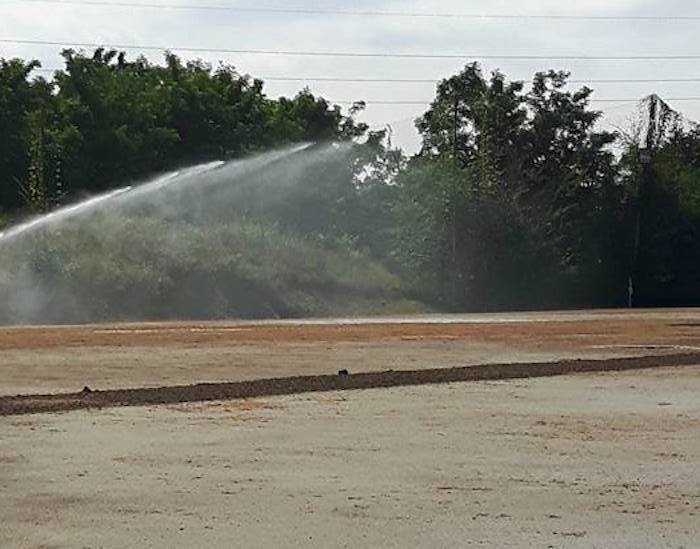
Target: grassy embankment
(113, 267)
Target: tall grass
(113, 266)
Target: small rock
(343, 372)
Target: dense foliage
(517, 198)
(133, 267)
(513, 200)
(102, 121)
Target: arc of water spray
(60, 214)
(130, 192)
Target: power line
(593, 100)
(437, 80)
(310, 53)
(428, 101)
(622, 101)
(373, 13)
(434, 81)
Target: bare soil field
(591, 460)
(552, 329)
(204, 392)
(206, 456)
(67, 358)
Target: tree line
(103, 120)
(516, 199)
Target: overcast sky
(30, 20)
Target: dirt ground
(585, 460)
(294, 385)
(590, 460)
(64, 359)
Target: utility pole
(455, 129)
(455, 149)
(644, 159)
(454, 160)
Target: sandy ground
(63, 370)
(605, 460)
(64, 359)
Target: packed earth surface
(594, 459)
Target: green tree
(20, 99)
(527, 194)
(663, 221)
(104, 120)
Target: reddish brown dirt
(301, 384)
(587, 331)
(295, 357)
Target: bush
(113, 266)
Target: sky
(178, 28)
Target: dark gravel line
(35, 404)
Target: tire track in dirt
(35, 404)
